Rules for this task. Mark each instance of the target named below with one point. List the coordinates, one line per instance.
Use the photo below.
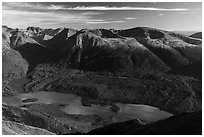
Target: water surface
(74, 106)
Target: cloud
(123, 8)
(22, 14)
(21, 5)
(96, 22)
(128, 18)
(102, 21)
(54, 7)
(22, 19)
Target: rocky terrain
(104, 67)
(53, 119)
(13, 128)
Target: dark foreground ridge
(182, 124)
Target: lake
(73, 106)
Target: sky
(174, 16)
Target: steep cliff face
(12, 61)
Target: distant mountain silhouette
(34, 29)
(186, 33)
(197, 35)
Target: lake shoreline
(72, 105)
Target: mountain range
(104, 67)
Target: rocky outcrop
(35, 30)
(14, 128)
(19, 38)
(42, 35)
(32, 118)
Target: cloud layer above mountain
(103, 15)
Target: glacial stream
(73, 105)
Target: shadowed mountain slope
(175, 50)
(134, 50)
(123, 52)
(86, 50)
